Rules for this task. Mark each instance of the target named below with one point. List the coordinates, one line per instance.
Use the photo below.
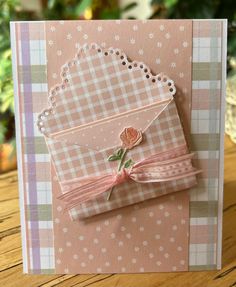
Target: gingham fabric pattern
(206, 130)
(111, 83)
(73, 161)
(30, 85)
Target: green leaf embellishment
(128, 163)
(117, 155)
(120, 153)
(113, 157)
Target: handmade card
(120, 130)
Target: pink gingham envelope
(103, 92)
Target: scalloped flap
(98, 84)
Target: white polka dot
(57, 220)
(119, 216)
(145, 243)
(174, 268)
(79, 28)
(161, 248)
(174, 227)
(167, 35)
(120, 243)
(140, 51)
(107, 264)
(158, 61)
(99, 270)
(179, 248)
(98, 228)
(69, 36)
(106, 222)
(104, 250)
(176, 51)
(162, 27)
(134, 260)
(185, 44)
(83, 264)
(151, 255)
(119, 258)
(159, 44)
(166, 255)
(181, 28)
(60, 250)
(95, 241)
(141, 269)
(59, 208)
(58, 261)
(85, 36)
(99, 28)
(161, 206)
(128, 235)
(113, 235)
(75, 256)
(151, 214)
(173, 65)
(65, 229)
(172, 239)
(158, 263)
(136, 249)
(132, 41)
(122, 228)
(123, 269)
(182, 262)
(151, 35)
(183, 221)
(81, 237)
(158, 222)
(157, 236)
(90, 257)
(135, 27)
(66, 270)
(117, 37)
(167, 214)
(141, 228)
(68, 244)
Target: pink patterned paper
(171, 59)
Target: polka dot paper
(114, 88)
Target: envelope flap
(104, 134)
(98, 84)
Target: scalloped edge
(161, 77)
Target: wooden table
(11, 259)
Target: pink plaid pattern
(97, 84)
(96, 87)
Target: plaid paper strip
(206, 130)
(30, 85)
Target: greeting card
(120, 144)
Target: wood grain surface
(11, 257)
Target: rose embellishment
(130, 138)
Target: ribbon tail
(87, 192)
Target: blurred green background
(95, 9)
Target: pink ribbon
(166, 166)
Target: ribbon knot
(121, 177)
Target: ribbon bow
(161, 167)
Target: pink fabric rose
(131, 137)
